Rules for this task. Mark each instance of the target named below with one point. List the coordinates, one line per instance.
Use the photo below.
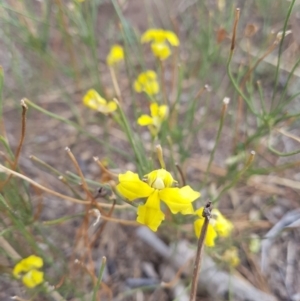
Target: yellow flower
(147, 82)
(231, 256)
(95, 102)
(218, 225)
(222, 225)
(161, 50)
(160, 36)
(27, 268)
(158, 115)
(156, 187)
(158, 39)
(116, 54)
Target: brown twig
(65, 197)
(236, 21)
(181, 174)
(18, 152)
(78, 169)
(206, 214)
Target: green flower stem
(261, 98)
(173, 163)
(283, 94)
(278, 153)
(237, 177)
(20, 225)
(2, 131)
(4, 141)
(62, 219)
(97, 286)
(76, 179)
(280, 108)
(280, 49)
(77, 127)
(130, 137)
(233, 81)
(212, 154)
(239, 91)
(57, 173)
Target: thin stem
(163, 82)
(278, 153)
(77, 127)
(235, 84)
(130, 137)
(69, 41)
(212, 154)
(65, 197)
(18, 152)
(78, 169)
(181, 174)
(97, 286)
(23, 131)
(197, 265)
(280, 49)
(237, 177)
(160, 156)
(2, 128)
(115, 83)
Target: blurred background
(53, 52)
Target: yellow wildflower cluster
(157, 186)
(116, 55)
(27, 269)
(95, 102)
(159, 39)
(154, 122)
(218, 225)
(147, 82)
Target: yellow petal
(93, 100)
(150, 75)
(146, 82)
(188, 193)
(145, 120)
(222, 225)
(150, 213)
(154, 109)
(179, 199)
(163, 112)
(199, 212)
(33, 278)
(210, 234)
(131, 187)
(137, 86)
(160, 36)
(151, 88)
(161, 50)
(115, 55)
(172, 38)
(26, 264)
(110, 107)
(150, 35)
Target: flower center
(158, 183)
(159, 179)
